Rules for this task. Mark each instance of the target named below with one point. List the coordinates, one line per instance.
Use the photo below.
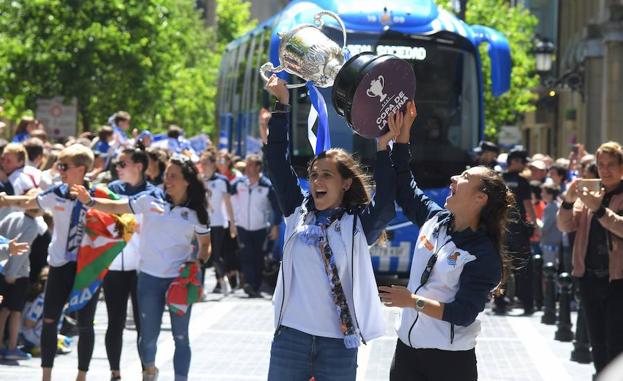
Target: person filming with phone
(594, 210)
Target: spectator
(519, 231)
(26, 126)
(157, 163)
(558, 173)
(551, 237)
(598, 252)
(487, 154)
(14, 279)
(120, 122)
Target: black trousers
(57, 289)
(411, 364)
(602, 302)
(253, 246)
(217, 240)
(118, 287)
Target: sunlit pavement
(230, 339)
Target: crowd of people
(194, 209)
(569, 211)
(191, 209)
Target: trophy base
(368, 88)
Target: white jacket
(419, 330)
(355, 269)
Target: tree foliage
(154, 58)
(518, 25)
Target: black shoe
(528, 312)
(216, 289)
(249, 290)
(499, 310)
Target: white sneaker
(225, 286)
(150, 377)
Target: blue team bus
(449, 93)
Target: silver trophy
(366, 88)
(308, 53)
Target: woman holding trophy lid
(457, 262)
(326, 301)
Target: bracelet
(600, 212)
(91, 203)
(567, 205)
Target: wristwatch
(419, 304)
(281, 108)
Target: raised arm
(276, 152)
(103, 204)
(23, 202)
(417, 207)
(381, 210)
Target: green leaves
(518, 25)
(154, 58)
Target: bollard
(564, 332)
(538, 282)
(581, 347)
(549, 301)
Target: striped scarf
(318, 235)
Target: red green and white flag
(105, 237)
(185, 290)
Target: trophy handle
(382, 79)
(269, 68)
(320, 23)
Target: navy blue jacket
(478, 277)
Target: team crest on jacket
(452, 258)
(185, 214)
(427, 244)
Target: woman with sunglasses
(458, 261)
(120, 282)
(170, 220)
(69, 220)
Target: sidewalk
(230, 339)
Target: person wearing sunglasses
(120, 281)
(69, 220)
(171, 220)
(457, 262)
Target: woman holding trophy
(458, 261)
(326, 301)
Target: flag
(105, 236)
(185, 289)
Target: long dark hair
(358, 195)
(195, 192)
(138, 156)
(495, 217)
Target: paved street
(231, 339)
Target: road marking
(547, 364)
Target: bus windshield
(447, 126)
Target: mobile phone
(592, 185)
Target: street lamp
(544, 54)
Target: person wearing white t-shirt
(171, 220)
(69, 220)
(14, 159)
(221, 220)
